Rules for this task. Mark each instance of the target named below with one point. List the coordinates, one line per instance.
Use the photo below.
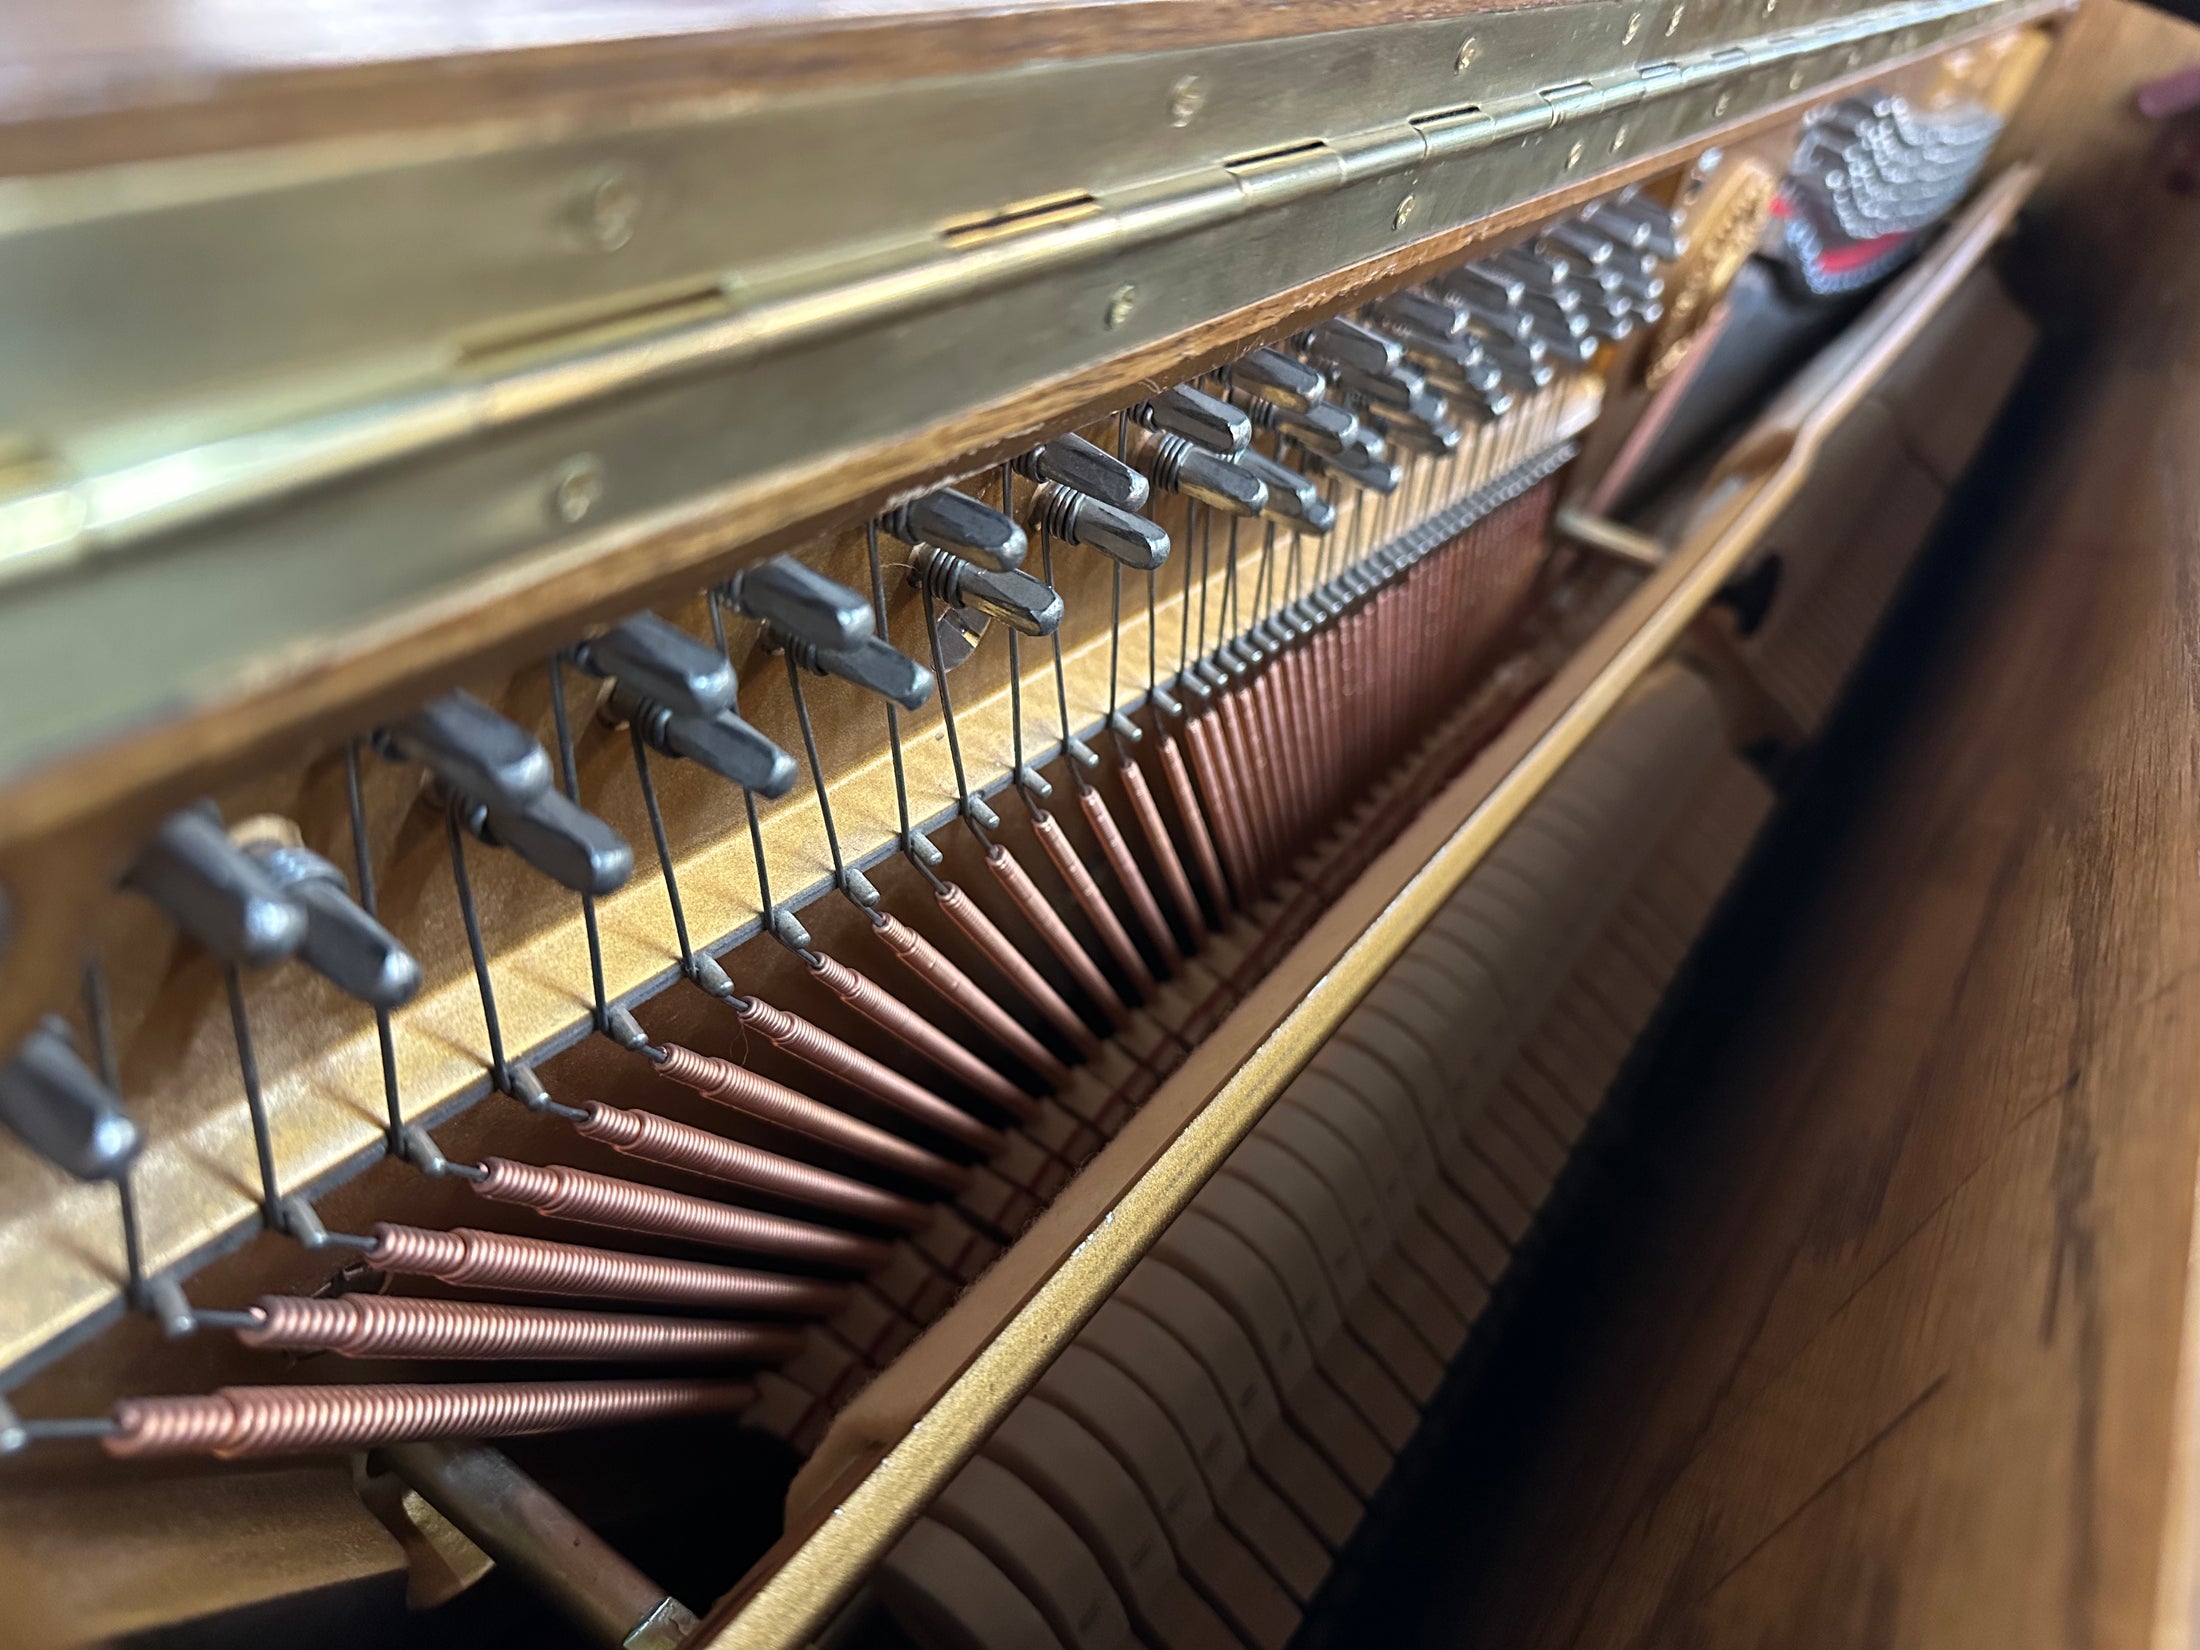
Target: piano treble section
(901, 790)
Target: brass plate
(279, 408)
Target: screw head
(1723, 102)
(1795, 78)
(614, 209)
(1121, 302)
(1634, 27)
(1673, 23)
(1404, 215)
(1187, 96)
(1619, 140)
(1467, 48)
(578, 488)
(1573, 155)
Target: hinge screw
(579, 487)
(614, 208)
(1467, 49)
(1795, 78)
(1404, 215)
(1634, 27)
(1573, 155)
(1723, 102)
(1186, 98)
(1673, 23)
(1619, 138)
(1121, 302)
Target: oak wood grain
(1903, 1352)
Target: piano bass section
(1006, 1033)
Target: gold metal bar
(101, 511)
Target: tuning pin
(1568, 338)
(1393, 387)
(1075, 462)
(1458, 366)
(1323, 428)
(1425, 408)
(957, 522)
(1487, 321)
(1579, 242)
(1277, 378)
(1018, 600)
(1591, 287)
(471, 749)
(1522, 362)
(872, 663)
(1344, 343)
(1492, 403)
(723, 743)
(1362, 467)
(1580, 347)
(660, 659)
(577, 848)
(1548, 319)
(1535, 266)
(342, 942)
(1610, 317)
(1197, 417)
(797, 601)
(558, 837)
(1616, 225)
(1666, 244)
(476, 754)
(61, 1109)
(1293, 500)
(1486, 283)
(1073, 517)
(1206, 477)
(1854, 115)
(1423, 428)
(211, 889)
(1421, 312)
